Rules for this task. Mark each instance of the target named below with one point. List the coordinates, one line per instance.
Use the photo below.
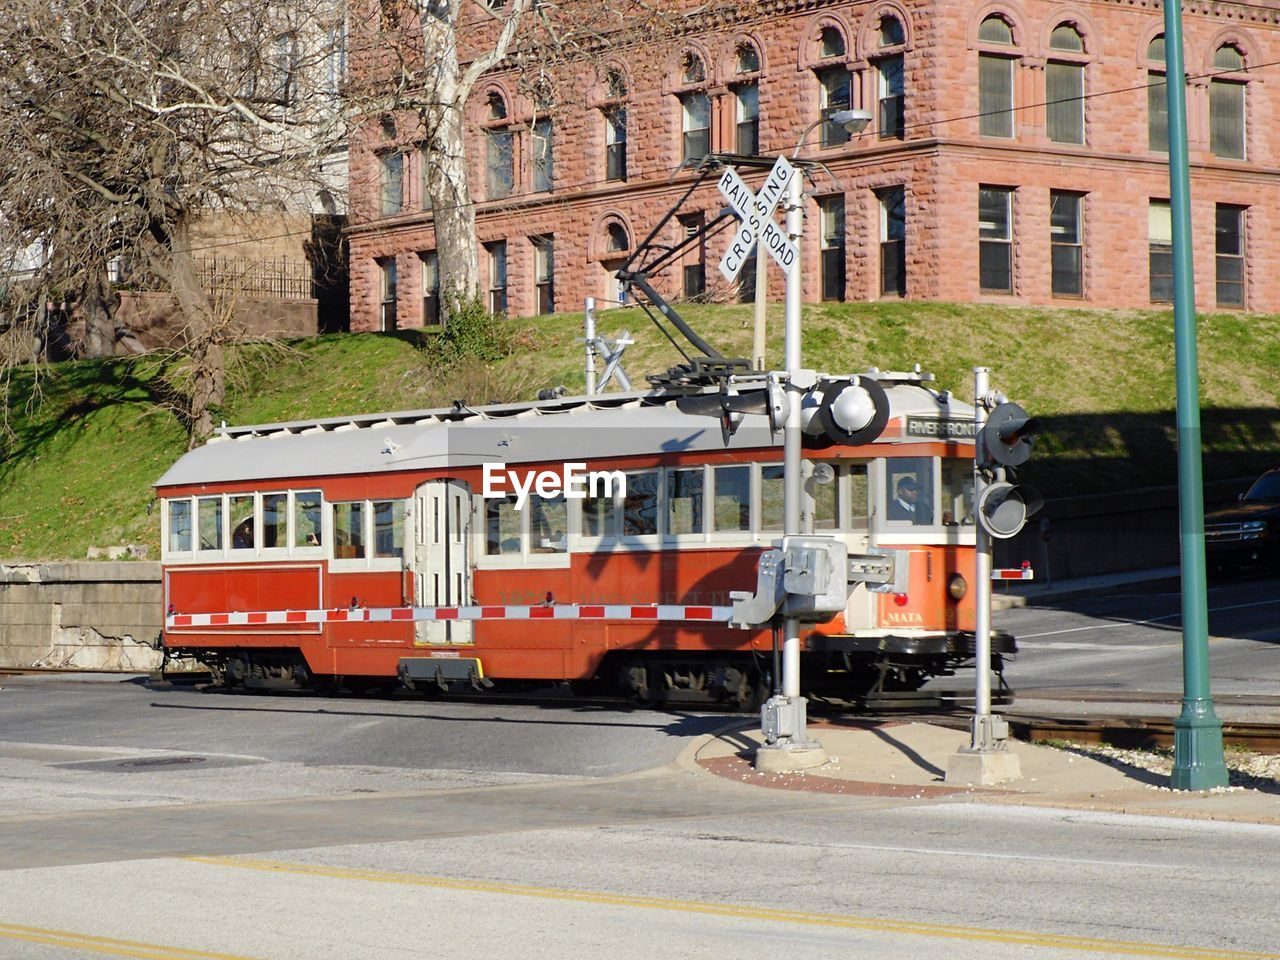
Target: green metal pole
(1197, 741)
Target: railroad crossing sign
(756, 211)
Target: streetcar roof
(566, 429)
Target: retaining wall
(80, 615)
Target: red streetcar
(341, 526)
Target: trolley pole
(1198, 762)
(783, 718)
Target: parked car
(1248, 533)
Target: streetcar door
(442, 558)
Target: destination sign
(934, 429)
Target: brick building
(1018, 154)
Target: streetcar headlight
(957, 587)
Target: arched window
(995, 30)
(692, 69)
(695, 110)
(891, 32)
(1227, 105)
(830, 43)
(1157, 94)
(499, 159)
(890, 80)
(746, 93)
(616, 239)
(1064, 86)
(615, 125)
(995, 78)
(833, 83)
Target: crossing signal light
(1007, 437)
(1003, 508)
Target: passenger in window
(906, 503)
(242, 535)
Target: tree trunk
(448, 178)
(202, 335)
(97, 306)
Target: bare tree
(126, 122)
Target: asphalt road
(1131, 641)
(174, 824)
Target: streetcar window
(957, 492)
(826, 500)
(307, 531)
(684, 501)
(275, 518)
(388, 528)
(640, 504)
(209, 520)
(502, 527)
(909, 489)
(771, 496)
(598, 515)
(859, 498)
(348, 531)
(732, 509)
(548, 524)
(179, 526)
(241, 515)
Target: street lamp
(854, 122)
(783, 717)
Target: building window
(1066, 231)
(284, 60)
(544, 273)
(1160, 247)
(833, 96)
(391, 184)
(891, 32)
(893, 242)
(831, 212)
(387, 294)
(695, 111)
(335, 63)
(830, 43)
(543, 155)
(497, 256)
(616, 239)
(891, 97)
(747, 97)
(995, 80)
(499, 159)
(694, 260)
(1226, 106)
(995, 239)
(1230, 254)
(615, 143)
(430, 288)
(425, 168)
(1157, 100)
(1064, 82)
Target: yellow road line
(107, 945)
(903, 927)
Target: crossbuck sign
(756, 211)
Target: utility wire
(913, 126)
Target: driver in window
(906, 503)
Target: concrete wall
(80, 615)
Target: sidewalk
(908, 761)
(1015, 594)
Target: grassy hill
(87, 439)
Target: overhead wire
(913, 126)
